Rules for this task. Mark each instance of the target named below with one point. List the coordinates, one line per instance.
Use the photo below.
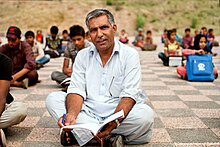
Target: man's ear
(115, 28)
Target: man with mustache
(106, 79)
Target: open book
(94, 127)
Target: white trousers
(136, 127)
(14, 113)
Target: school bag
(199, 68)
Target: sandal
(67, 138)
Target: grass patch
(140, 21)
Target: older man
(106, 79)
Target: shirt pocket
(116, 86)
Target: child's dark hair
(29, 33)
(54, 30)
(77, 30)
(197, 40)
(169, 32)
(149, 32)
(187, 30)
(210, 30)
(65, 32)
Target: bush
(140, 21)
(194, 22)
(109, 2)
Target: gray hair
(99, 12)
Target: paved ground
(186, 113)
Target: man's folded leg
(137, 127)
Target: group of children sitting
(175, 46)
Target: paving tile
(164, 98)
(160, 145)
(153, 83)
(176, 83)
(187, 92)
(182, 122)
(197, 144)
(210, 92)
(194, 98)
(214, 97)
(35, 104)
(192, 135)
(29, 122)
(216, 131)
(211, 122)
(158, 123)
(207, 84)
(202, 104)
(44, 134)
(155, 87)
(36, 111)
(43, 123)
(218, 102)
(19, 97)
(36, 97)
(205, 87)
(160, 135)
(14, 144)
(160, 92)
(175, 113)
(40, 144)
(181, 87)
(17, 134)
(171, 79)
(168, 104)
(44, 91)
(207, 113)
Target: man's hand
(107, 130)
(70, 120)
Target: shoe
(25, 83)
(2, 139)
(38, 66)
(214, 54)
(216, 76)
(114, 140)
(67, 139)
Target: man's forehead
(98, 21)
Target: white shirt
(103, 87)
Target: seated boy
(53, 43)
(77, 35)
(149, 45)
(37, 49)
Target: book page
(93, 127)
(115, 116)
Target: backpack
(199, 68)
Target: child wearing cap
(24, 67)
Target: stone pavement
(186, 113)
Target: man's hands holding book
(105, 131)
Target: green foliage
(194, 22)
(140, 21)
(109, 2)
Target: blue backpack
(199, 68)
